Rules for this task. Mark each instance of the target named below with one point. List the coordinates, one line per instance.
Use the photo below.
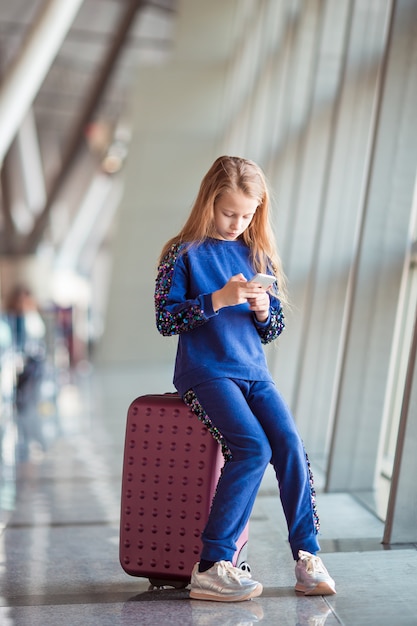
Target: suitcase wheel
(158, 583)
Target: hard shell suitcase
(171, 467)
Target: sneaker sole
(201, 594)
(322, 589)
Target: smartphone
(266, 280)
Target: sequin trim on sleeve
(185, 319)
(275, 326)
(192, 402)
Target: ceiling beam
(26, 74)
(76, 134)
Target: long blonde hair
(229, 174)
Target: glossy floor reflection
(59, 552)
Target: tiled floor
(59, 553)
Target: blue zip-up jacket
(211, 345)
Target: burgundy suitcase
(171, 467)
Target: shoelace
(313, 564)
(233, 572)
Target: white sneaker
(313, 579)
(223, 583)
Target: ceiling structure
(82, 96)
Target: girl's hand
(259, 304)
(237, 291)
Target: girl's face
(233, 212)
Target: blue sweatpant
(258, 429)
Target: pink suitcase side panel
(170, 471)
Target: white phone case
(263, 279)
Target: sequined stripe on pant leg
(192, 402)
(313, 495)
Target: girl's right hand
(236, 291)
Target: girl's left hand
(259, 304)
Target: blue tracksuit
(222, 373)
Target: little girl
(204, 294)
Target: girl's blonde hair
(229, 174)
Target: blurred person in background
(29, 339)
